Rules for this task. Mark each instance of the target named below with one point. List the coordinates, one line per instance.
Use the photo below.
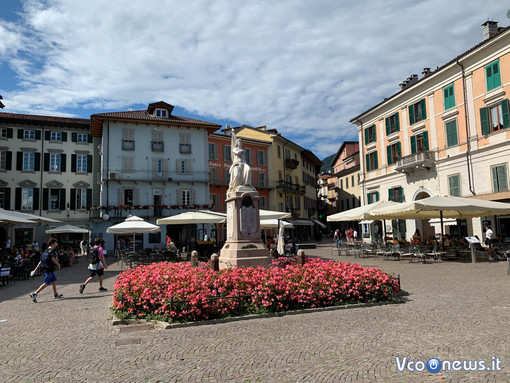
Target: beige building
(445, 133)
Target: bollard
(301, 257)
(194, 258)
(215, 262)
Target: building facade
(153, 164)
(45, 169)
(443, 134)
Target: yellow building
(446, 133)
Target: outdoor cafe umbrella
(133, 225)
(193, 217)
(281, 241)
(10, 216)
(360, 213)
(67, 229)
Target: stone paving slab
(452, 311)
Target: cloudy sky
(302, 67)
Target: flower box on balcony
(291, 164)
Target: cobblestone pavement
(452, 311)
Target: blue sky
(302, 67)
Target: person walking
(48, 262)
(97, 265)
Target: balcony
(291, 164)
(414, 162)
(154, 176)
(289, 187)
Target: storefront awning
(300, 222)
(319, 223)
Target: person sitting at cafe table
(417, 237)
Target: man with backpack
(97, 264)
(48, 262)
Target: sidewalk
(453, 311)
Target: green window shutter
(413, 144)
(399, 150)
(388, 152)
(451, 133)
(423, 109)
(390, 194)
(503, 186)
(376, 165)
(366, 136)
(401, 194)
(449, 97)
(426, 140)
(387, 121)
(376, 196)
(411, 114)
(369, 198)
(506, 113)
(397, 122)
(446, 100)
(495, 179)
(484, 121)
(367, 162)
(374, 135)
(492, 75)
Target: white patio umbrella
(133, 225)
(281, 241)
(19, 217)
(67, 229)
(360, 213)
(193, 217)
(270, 214)
(273, 223)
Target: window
(449, 97)
(81, 163)
(499, 178)
(81, 199)
(27, 199)
(29, 134)
(396, 194)
(347, 183)
(183, 166)
(417, 112)
(279, 150)
(262, 180)
(54, 199)
(370, 134)
(3, 133)
(492, 75)
(56, 136)
(287, 154)
(157, 144)
(128, 164)
(213, 176)
(263, 202)
(371, 161)
(214, 201)
(161, 113)
(248, 156)
(495, 117)
(128, 139)
(4, 198)
(394, 153)
(226, 177)
(227, 155)
(392, 124)
(451, 133)
(54, 162)
(128, 197)
(261, 158)
(372, 197)
(213, 151)
(280, 175)
(454, 185)
(185, 197)
(297, 201)
(28, 161)
(352, 180)
(82, 137)
(3, 160)
(420, 142)
(185, 143)
(280, 206)
(341, 184)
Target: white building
(153, 164)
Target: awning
(446, 221)
(319, 223)
(366, 222)
(300, 222)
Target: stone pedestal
(243, 246)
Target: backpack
(46, 262)
(93, 255)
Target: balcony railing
(415, 161)
(289, 187)
(141, 175)
(291, 163)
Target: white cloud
(303, 67)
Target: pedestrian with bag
(47, 264)
(97, 264)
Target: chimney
(425, 72)
(490, 29)
(413, 79)
(263, 127)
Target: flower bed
(178, 292)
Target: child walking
(47, 264)
(97, 265)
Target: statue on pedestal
(239, 170)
